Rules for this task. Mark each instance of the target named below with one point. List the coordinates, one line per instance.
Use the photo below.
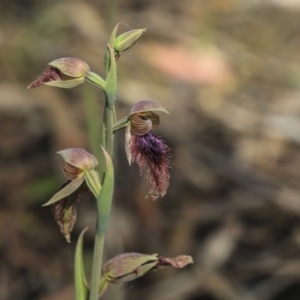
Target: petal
(70, 66)
(152, 116)
(177, 262)
(65, 213)
(66, 191)
(79, 158)
(140, 126)
(146, 105)
(71, 172)
(66, 83)
(127, 144)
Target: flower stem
(104, 202)
(104, 199)
(109, 120)
(96, 267)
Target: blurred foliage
(228, 72)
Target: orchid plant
(84, 178)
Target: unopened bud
(126, 40)
(128, 266)
(66, 72)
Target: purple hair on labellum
(49, 74)
(150, 150)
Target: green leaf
(111, 42)
(106, 194)
(113, 35)
(110, 86)
(81, 289)
(66, 191)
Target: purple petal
(151, 151)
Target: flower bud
(66, 72)
(126, 40)
(128, 266)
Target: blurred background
(228, 71)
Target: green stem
(109, 120)
(95, 79)
(104, 199)
(96, 267)
(104, 202)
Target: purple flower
(145, 148)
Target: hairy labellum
(49, 74)
(151, 151)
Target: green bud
(126, 40)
